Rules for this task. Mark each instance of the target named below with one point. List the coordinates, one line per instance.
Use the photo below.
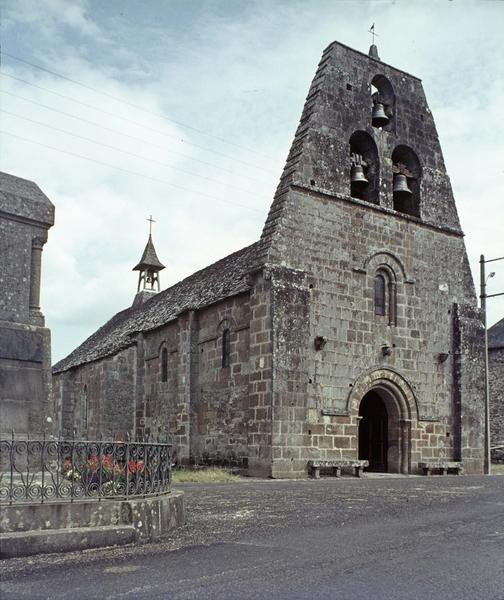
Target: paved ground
(349, 539)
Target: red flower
(135, 466)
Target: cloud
(48, 16)
(240, 72)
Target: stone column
(35, 275)
(405, 425)
(393, 303)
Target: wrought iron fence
(45, 470)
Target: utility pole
(483, 298)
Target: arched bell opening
(384, 433)
(364, 167)
(407, 174)
(383, 102)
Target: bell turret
(148, 268)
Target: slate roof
(496, 335)
(149, 258)
(24, 198)
(216, 282)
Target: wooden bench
(336, 465)
(441, 465)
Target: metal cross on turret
(373, 33)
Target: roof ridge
(221, 279)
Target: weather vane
(372, 32)
(151, 220)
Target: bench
(441, 465)
(336, 465)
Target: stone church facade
(350, 329)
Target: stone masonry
(26, 214)
(350, 330)
(496, 381)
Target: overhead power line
(169, 183)
(111, 114)
(98, 143)
(131, 104)
(131, 137)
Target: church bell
(378, 117)
(401, 188)
(357, 176)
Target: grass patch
(208, 475)
(497, 468)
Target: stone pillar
(260, 389)
(405, 446)
(26, 405)
(469, 386)
(393, 303)
(35, 275)
(187, 390)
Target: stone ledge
(41, 528)
(27, 543)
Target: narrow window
(84, 409)
(164, 364)
(380, 294)
(226, 347)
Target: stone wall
(98, 398)
(202, 407)
(496, 384)
(220, 427)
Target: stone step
(44, 541)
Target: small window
(380, 294)
(226, 347)
(84, 409)
(164, 364)
(385, 294)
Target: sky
(186, 109)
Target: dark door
(373, 432)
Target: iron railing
(50, 470)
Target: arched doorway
(379, 392)
(384, 430)
(373, 432)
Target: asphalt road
(393, 538)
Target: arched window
(407, 174)
(226, 347)
(84, 409)
(380, 294)
(383, 101)
(164, 364)
(385, 294)
(364, 167)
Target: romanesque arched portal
(385, 407)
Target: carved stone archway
(393, 390)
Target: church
(349, 330)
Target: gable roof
(216, 282)
(496, 335)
